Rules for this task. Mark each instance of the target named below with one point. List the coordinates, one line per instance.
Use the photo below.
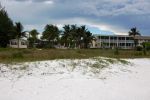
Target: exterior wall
(93, 45)
(112, 41)
(120, 41)
(140, 41)
(22, 43)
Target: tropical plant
(33, 37)
(88, 37)
(77, 36)
(66, 35)
(133, 32)
(6, 25)
(146, 45)
(85, 36)
(74, 35)
(19, 33)
(51, 33)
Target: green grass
(8, 55)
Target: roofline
(112, 35)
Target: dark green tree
(33, 37)
(133, 32)
(84, 37)
(87, 38)
(78, 36)
(18, 31)
(51, 33)
(66, 35)
(6, 25)
(70, 35)
(74, 36)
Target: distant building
(142, 39)
(22, 43)
(120, 41)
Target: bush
(139, 48)
(147, 45)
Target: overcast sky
(100, 16)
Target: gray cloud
(31, 0)
(117, 16)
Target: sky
(100, 16)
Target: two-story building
(120, 41)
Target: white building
(120, 41)
(14, 43)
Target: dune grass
(25, 55)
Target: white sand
(75, 80)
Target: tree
(133, 32)
(33, 37)
(18, 31)
(51, 33)
(66, 36)
(84, 36)
(87, 38)
(6, 25)
(76, 36)
(70, 35)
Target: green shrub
(147, 45)
(139, 48)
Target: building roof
(136, 37)
(112, 35)
(142, 37)
(19, 39)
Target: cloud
(117, 16)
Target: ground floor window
(23, 43)
(121, 44)
(13, 43)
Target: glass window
(13, 43)
(23, 43)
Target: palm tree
(133, 32)
(85, 36)
(66, 36)
(74, 35)
(34, 33)
(88, 37)
(51, 33)
(19, 33)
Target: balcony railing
(115, 41)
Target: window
(23, 43)
(128, 44)
(121, 38)
(115, 38)
(122, 44)
(111, 38)
(104, 37)
(13, 43)
(129, 38)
